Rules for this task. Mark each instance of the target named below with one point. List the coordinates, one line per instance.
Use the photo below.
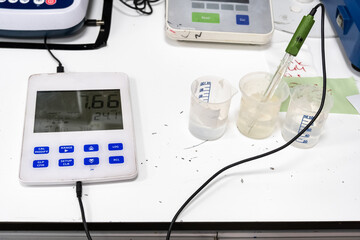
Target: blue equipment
(39, 18)
(345, 18)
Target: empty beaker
(304, 103)
(257, 118)
(210, 102)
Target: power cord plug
(79, 196)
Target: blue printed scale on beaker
(304, 122)
(204, 91)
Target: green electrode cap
(300, 35)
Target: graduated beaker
(304, 103)
(210, 102)
(258, 118)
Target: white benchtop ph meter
(232, 21)
(78, 127)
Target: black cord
(272, 151)
(79, 195)
(143, 6)
(60, 68)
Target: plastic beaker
(304, 103)
(257, 119)
(210, 102)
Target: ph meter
(78, 127)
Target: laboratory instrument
(230, 21)
(345, 18)
(291, 51)
(78, 127)
(304, 103)
(210, 103)
(252, 87)
(39, 18)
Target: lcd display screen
(227, 1)
(85, 110)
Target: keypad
(237, 7)
(87, 154)
(35, 4)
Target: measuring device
(39, 18)
(231, 21)
(345, 18)
(78, 127)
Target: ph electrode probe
(291, 51)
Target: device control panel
(35, 4)
(87, 154)
(220, 20)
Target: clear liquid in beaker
(206, 133)
(210, 102)
(307, 139)
(304, 103)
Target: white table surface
(318, 184)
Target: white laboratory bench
(314, 192)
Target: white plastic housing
(53, 174)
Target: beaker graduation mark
(204, 91)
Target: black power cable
(143, 6)
(79, 195)
(60, 68)
(313, 11)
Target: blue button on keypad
(91, 161)
(242, 20)
(91, 148)
(66, 149)
(116, 159)
(40, 163)
(115, 146)
(66, 162)
(41, 150)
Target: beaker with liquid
(210, 103)
(304, 103)
(258, 118)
